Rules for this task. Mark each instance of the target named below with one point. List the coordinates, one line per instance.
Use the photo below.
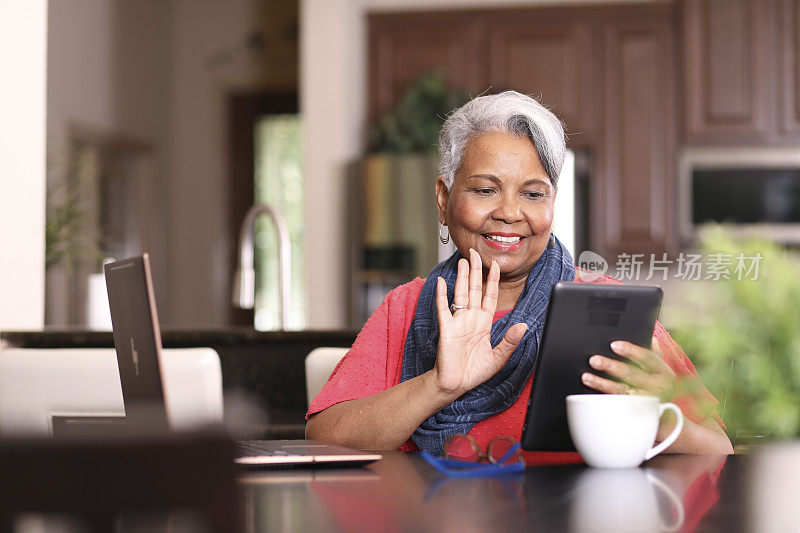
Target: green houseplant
(73, 237)
(71, 200)
(745, 338)
(413, 124)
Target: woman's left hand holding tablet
(465, 356)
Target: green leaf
(413, 124)
(744, 337)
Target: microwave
(754, 191)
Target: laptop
(137, 339)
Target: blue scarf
(501, 390)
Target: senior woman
(454, 353)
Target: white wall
(108, 66)
(80, 70)
(197, 169)
(333, 101)
(108, 74)
(23, 54)
(198, 278)
(332, 105)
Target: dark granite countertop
(177, 337)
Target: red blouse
(375, 361)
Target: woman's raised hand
(466, 357)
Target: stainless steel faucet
(244, 285)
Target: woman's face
(501, 203)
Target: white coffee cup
(618, 431)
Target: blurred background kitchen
(154, 125)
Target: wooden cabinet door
(632, 190)
(404, 46)
(729, 68)
(789, 70)
(546, 54)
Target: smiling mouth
(503, 239)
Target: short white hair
(509, 112)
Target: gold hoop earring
(552, 241)
(444, 240)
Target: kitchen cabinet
(547, 54)
(740, 63)
(633, 196)
(789, 69)
(402, 47)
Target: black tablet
(582, 320)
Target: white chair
(320, 363)
(36, 384)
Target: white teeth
(504, 240)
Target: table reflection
(627, 499)
(401, 493)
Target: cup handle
(655, 450)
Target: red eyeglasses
(464, 457)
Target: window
(278, 181)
